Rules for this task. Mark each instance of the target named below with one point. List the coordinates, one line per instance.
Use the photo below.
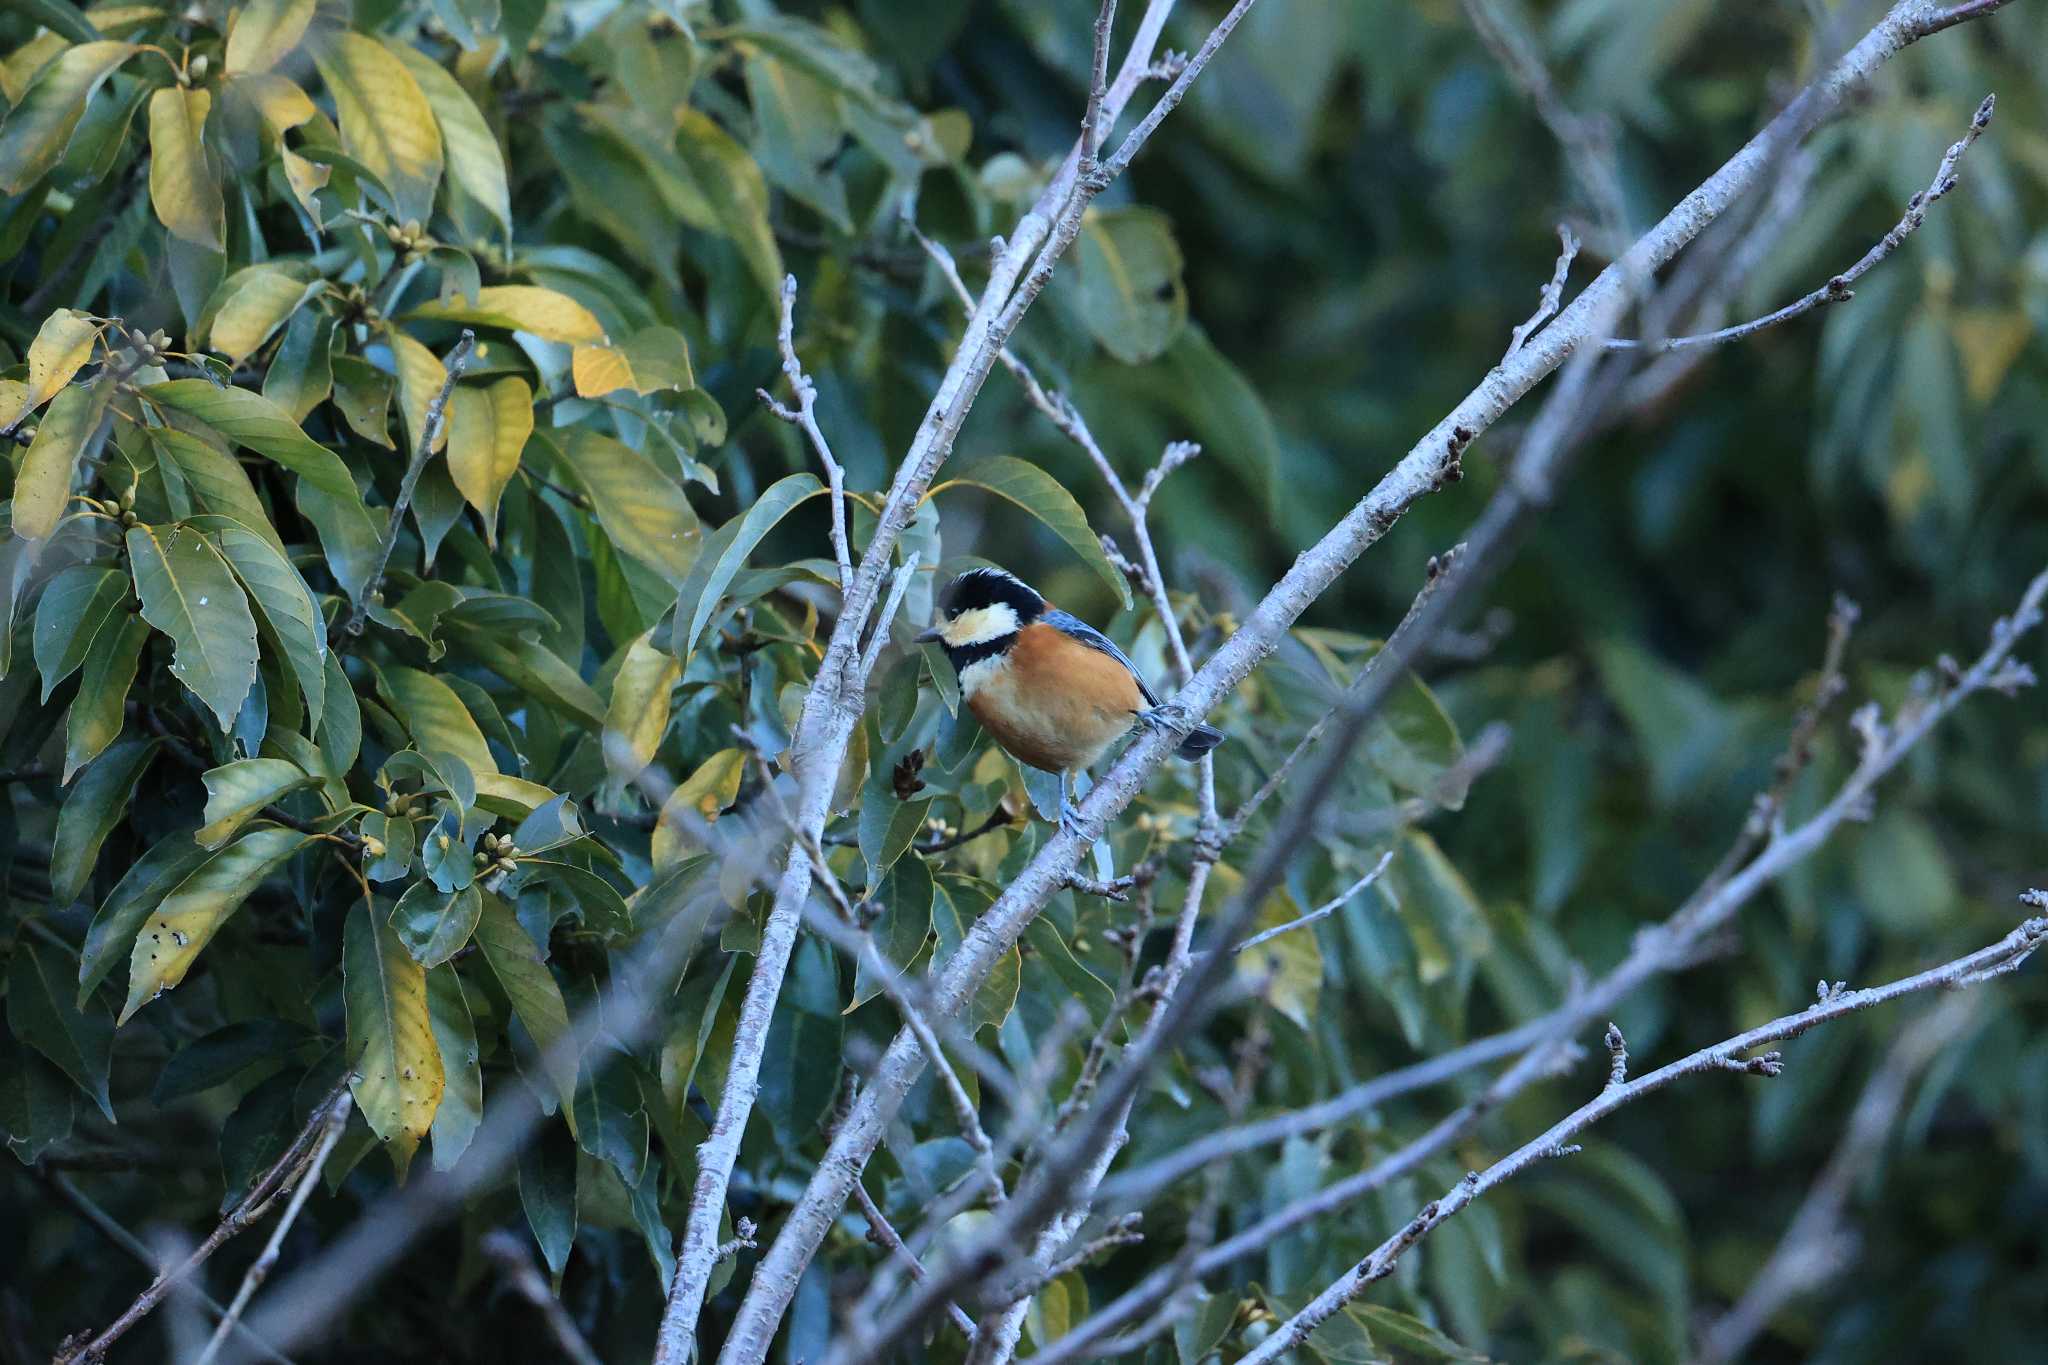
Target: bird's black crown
(978, 588)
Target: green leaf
(174, 932)
(224, 1054)
(531, 988)
(301, 374)
(350, 538)
(462, 1098)
(1411, 1335)
(547, 1191)
(475, 164)
(363, 393)
(534, 669)
(436, 718)
(39, 128)
(726, 554)
(487, 429)
(250, 419)
(251, 305)
(217, 482)
(112, 932)
(546, 313)
(102, 799)
(901, 929)
(36, 1106)
(386, 121)
(184, 187)
(265, 32)
(1291, 963)
(797, 130)
(435, 925)
(602, 907)
(189, 594)
(42, 491)
(611, 1120)
(397, 1079)
(1128, 269)
(77, 1039)
(237, 792)
(288, 608)
(731, 184)
(640, 508)
(1045, 498)
(1682, 728)
(76, 604)
(99, 710)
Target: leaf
(487, 429)
(386, 120)
(98, 711)
(265, 32)
(476, 166)
(716, 565)
(224, 1054)
(1410, 1335)
(288, 608)
(531, 988)
(1045, 498)
(100, 801)
(301, 374)
(462, 1096)
(545, 313)
(611, 1120)
(168, 862)
(36, 1107)
(901, 929)
(398, 1079)
(694, 803)
(248, 418)
(253, 303)
(62, 347)
(652, 360)
(42, 491)
(184, 187)
(637, 716)
(435, 925)
(76, 604)
(77, 1039)
(1289, 964)
(534, 669)
(1129, 273)
(217, 482)
(363, 393)
(350, 538)
(547, 1191)
(189, 594)
(237, 792)
(731, 184)
(1682, 728)
(38, 129)
(640, 508)
(420, 378)
(172, 935)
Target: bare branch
(804, 417)
(1323, 911)
(1837, 289)
(1553, 292)
(882, 1234)
(516, 1265)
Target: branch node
(1617, 1057)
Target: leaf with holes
(172, 935)
(398, 1078)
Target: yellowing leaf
(599, 370)
(39, 128)
(475, 164)
(1290, 964)
(43, 490)
(61, 349)
(254, 303)
(386, 122)
(265, 32)
(696, 803)
(641, 508)
(236, 792)
(651, 360)
(730, 180)
(546, 313)
(172, 936)
(420, 376)
(183, 185)
(284, 106)
(1989, 340)
(487, 430)
(398, 1076)
(639, 710)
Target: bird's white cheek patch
(981, 625)
(981, 673)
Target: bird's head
(982, 606)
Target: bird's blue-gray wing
(1075, 628)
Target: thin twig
(455, 362)
(804, 417)
(1837, 289)
(1553, 292)
(882, 1234)
(1323, 911)
(515, 1263)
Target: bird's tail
(1200, 741)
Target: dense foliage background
(259, 796)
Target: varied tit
(1053, 690)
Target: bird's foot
(1169, 716)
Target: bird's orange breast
(1051, 701)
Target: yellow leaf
(386, 122)
(39, 126)
(284, 106)
(1289, 965)
(398, 1077)
(255, 302)
(600, 370)
(420, 376)
(546, 313)
(185, 922)
(182, 184)
(639, 710)
(43, 490)
(62, 347)
(265, 32)
(475, 163)
(1989, 340)
(696, 803)
(19, 68)
(649, 361)
(487, 430)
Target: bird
(1051, 689)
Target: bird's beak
(929, 637)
